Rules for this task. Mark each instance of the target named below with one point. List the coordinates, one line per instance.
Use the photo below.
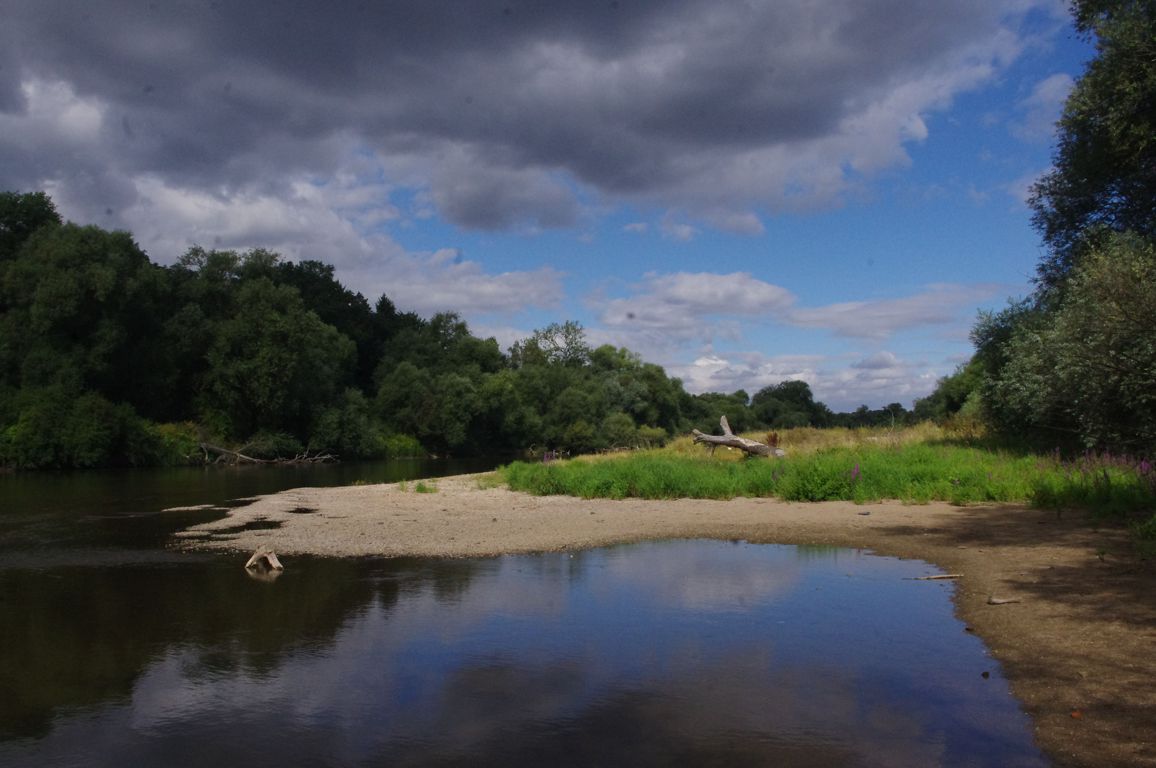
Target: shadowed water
(113, 516)
(673, 653)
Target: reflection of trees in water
(80, 637)
(448, 579)
(560, 721)
(503, 661)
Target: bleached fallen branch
(731, 440)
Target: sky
(742, 192)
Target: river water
(117, 651)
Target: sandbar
(1065, 606)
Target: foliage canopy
(107, 358)
(1073, 365)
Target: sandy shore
(1065, 608)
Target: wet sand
(1066, 608)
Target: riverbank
(1065, 607)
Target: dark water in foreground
(672, 653)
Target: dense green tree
(336, 305)
(441, 344)
(661, 407)
(84, 307)
(641, 390)
(889, 416)
(460, 351)
(278, 355)
(388, 324)
(573, 404)
(703, 411)
(456, 405)
(1072, 364)
(619, 431)
(557, 343)
(505, 422)
(1104, 175)
(405, 399)
(348, 429)
(1083, 373)
(21, 214)
(789, 404)
(951, 393)
(273, 364)
(581, 437)
(1104, 339)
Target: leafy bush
(272, 445)
(403, 447)
(57, 428)
(618, 431)
(652, 437)
(580, 437)
(1080, 372)
(175, 443)
(349, 430)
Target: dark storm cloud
(507, 111)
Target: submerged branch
(227, 456)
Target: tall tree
(1074, 364)
(561, 343)
(83, 308)
(1084, 372)
(336, 305)
(273, 365)
(1104, 175)
(21, 214)
(789, 404)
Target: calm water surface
(98, 515)
(115, 652)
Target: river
(117, 650)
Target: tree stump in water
(264, 558)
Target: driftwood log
(731, 440)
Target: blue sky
(741, 192)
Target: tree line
(1073, 365)
(107, 358)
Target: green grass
(648, 475)
(915, 473)
(870, 468)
